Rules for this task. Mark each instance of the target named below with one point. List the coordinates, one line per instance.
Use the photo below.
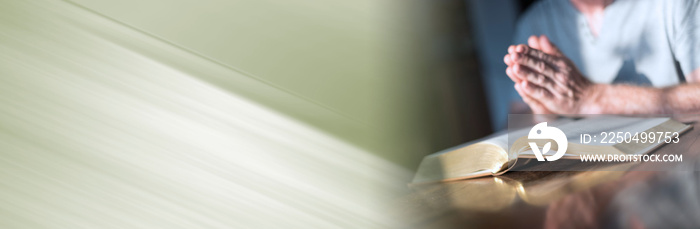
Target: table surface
(637, 195)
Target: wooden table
(646, 194)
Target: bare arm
(627, 99)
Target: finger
(557, 88)
(534, 63)
(535, 53)
(508, 60)
(535, 106)
(515, 78)
(548, 47)
(511, 49)
(537, 92)
(540, 95)
(533, 77)
(534, 42)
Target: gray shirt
(641, 42)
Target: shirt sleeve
(685, 34)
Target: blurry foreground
(106, 126)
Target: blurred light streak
(100, 128)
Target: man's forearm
(627, 99)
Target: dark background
(471, 38)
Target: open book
(492, 156)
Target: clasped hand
(548, 81)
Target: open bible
(493, 156)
